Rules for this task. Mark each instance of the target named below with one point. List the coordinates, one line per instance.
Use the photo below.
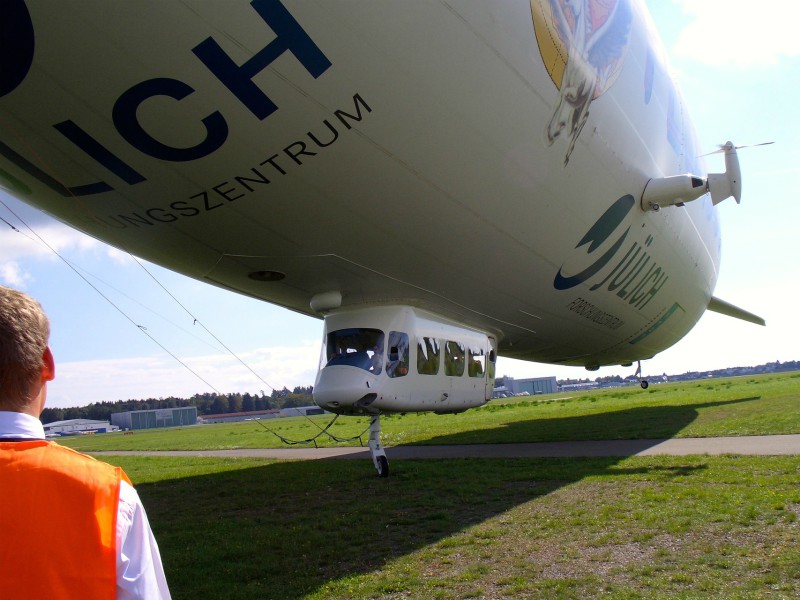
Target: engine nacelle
(676, 190)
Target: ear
(48, 365)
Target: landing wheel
(642, 382)
(376, 449)
(382, 465)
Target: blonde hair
(24, 335)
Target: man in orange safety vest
(70, 526)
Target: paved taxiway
(767, 445)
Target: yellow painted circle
(552, 48)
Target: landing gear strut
(642, 381)
(376, 449)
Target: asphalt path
(763, 445)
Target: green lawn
(657, 527)
(757, 405)
(637, 527)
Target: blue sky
(738, 70)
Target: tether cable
(323, 431)
(141, 328)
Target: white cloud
(81, 383)
(27, 243)
(739, 33)
(119, 257)
(17, 248)
(11, 274)
(35, 237)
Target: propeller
(724, 185)
(676, 190)
(727, 147)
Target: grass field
(758, 405)
(656, 527)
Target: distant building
(305, 411)
(155, 418)
(525, 387)
(241, 416)
(77, 426)
(583, 385)
(274, 413)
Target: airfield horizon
(696, 526)
(738, 406)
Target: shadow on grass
(639, 423)
(287, 529)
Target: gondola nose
(345, 390)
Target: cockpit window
(454, 359)
(397, 356)
(356, 347)
(427, 356)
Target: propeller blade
(721, 149)
(729, 146)
(754, 145)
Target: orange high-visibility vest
(58, 523)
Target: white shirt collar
(20, 425)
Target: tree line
(207, 404)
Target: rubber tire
(644, 384)
(383, 466)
